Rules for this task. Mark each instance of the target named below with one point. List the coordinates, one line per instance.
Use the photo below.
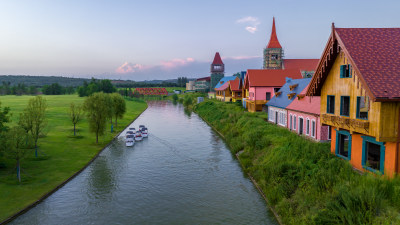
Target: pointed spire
(273, 41)
(217, 59)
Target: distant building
(202, 84)
(217, 71)
(190, 85)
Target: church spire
(273, 41)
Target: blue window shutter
(342, 70)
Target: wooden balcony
(359, 124)
(353, 124)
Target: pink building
(303, 116)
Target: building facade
(217, 71)
(360, 99)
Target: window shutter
(342, 70)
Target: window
(345, 106)
(373, 155)
(294, 123)
(329, 133)
(308, 127)
(330, 104)
(274, 56)
(290, 121)
(362, 107)
(345, 71)
(343, 144)
(268, 95)
(313, 128)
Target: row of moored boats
(133, 135)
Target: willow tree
(75, 114)
(97, 113)
(36, 111)
(119, 106)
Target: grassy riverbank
(303, 182)
(60, 156)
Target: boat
(144, 132)
(132, 129)
(130, 141)
(141, 126)
(129, 132)
(138, 136)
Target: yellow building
(358, 79)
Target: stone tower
(273, 54)
(217, 71)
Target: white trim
(307, 126)
(294, 122)
(313, 127)
(290, 122)
(329, 132)
(299, 125)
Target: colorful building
(261, 85)
(277, 112)
(358, 79)
(202, 84)
(236, 89)
(303, 116)
(222, 89)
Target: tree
(75, 114)
(119, 106)
(4, 118)
(36, 110)
(96, 109)
(15, 147)
(25, 122)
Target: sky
(148, 39)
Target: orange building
(358, 79)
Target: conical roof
(217, 59)
(273, 41)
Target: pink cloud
(129, 68)
(176, 63)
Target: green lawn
(61, 154)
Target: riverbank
(303, 181)
(61, 154)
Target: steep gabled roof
(301, 64)
(270, 78)
(374, 54)
(224, 80)
(282, 100)
(217, 59)
(307, 104)
(273, 41)
(235, 85)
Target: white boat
(138, 136)
(144, 132)
(129, 132)
(130, 141)
(141, 126)
(132, 129)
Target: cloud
(176, 63)
(251, 22)
(129, 68)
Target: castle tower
(217, 71)
(273, 54)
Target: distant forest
(40, 81)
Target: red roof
(307, 104)
(235, 85)
(301, 64)
(270, 78)
(376, 54)
(223, 87)
(273, 41)
(217, 59)
(204, 78)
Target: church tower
(217, 71)
(273, 54)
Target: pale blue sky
(166, 39)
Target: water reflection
(181, 174)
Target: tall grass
(303, 181)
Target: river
(183, 173)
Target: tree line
(96, 86)
(18, 141)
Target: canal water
(182, 173)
